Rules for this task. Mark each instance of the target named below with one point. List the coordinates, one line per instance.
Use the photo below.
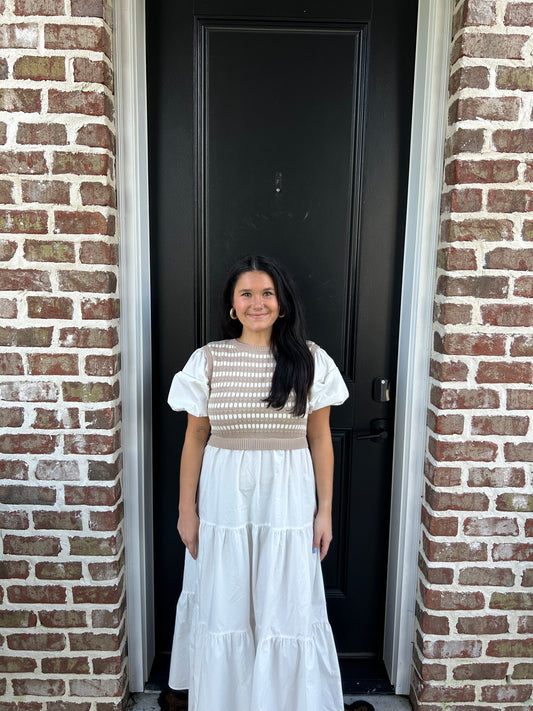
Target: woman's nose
(257, 301)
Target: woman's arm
(319, 437)
(191, 463)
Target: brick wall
(474, 631)
(62, 645)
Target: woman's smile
(256, 306)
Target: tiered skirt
(251, 630)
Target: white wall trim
(425, 184)
(422, 225)
(132, 182)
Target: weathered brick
(52, 364)
(89, 281)
(37, 594)
(7, 249)
(89, 640)
(518, 78)
(68, 706)
(17, 664)
(440, 525)
(453, 648)
(462, 200)
(91, 546)
(29, 391)
(510, 200)
(522, 346)
(92, 103)
(481, 171)
(59, 571)
(47, 642)
(63, 618)
(39, 68)
(448, 371)
(23, 221)
(511, 601)
(525, 624)
(445, 424)
(98, 194)
(13, 469)
(33, 337)
(98, 252)
(15, 494)
(39, 7)
(97, 594)
(488, 624)
(509, 693)
(523, 671)
(86, 37)
(107, 665)
(38, 687)
(31, 545)
(450, 313)
(512, 501)
(88, 337)
(480, 671)
(11, 417)
(68, 520)
(78, 163)
(88, 8)
(520, 399)
(25, 100)
(96, 135)
(442, 476)
(479, 451)
(88, 392)
(513, 259)
(484, 287)
(500, 425)
(483, 44)
(94, 72)
(6, 192)
(490, 526)
(8, 308)
(105, 571)
(497, 477)
(494, 372)
(104, 471)
(11, 364)
(46, 419)
(17, 520)
(57, 470)
(53, 192)
(518, 140)
(50, 307)
(470, 344)
(469, 78)
(452, 600)
(504, 108)
(513, 551)
(446, 552)
(24, 280)
(92, 495)
(452, 259)
(65, 665)
(454, 399)
(17, 618)
(84, 223)
(19, 36)
(100, 309)
(507, 315)
(96, 687)
(110, 619)
(90, 444)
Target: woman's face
(256, 304)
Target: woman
(251, 628)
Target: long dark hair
(294, 362)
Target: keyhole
(277, 181)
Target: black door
(284, 130)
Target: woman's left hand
(322, 533)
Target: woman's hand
(188, 527)
(322, 533)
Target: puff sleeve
(328, 386)
(189, 390)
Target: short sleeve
(189, 390)
(328, 386)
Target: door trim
(427, 143)
(416, 319)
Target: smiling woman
(256, 306)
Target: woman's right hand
(188, 527)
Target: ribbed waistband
(257, 443)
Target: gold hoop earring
(233, 314)
(281, 315)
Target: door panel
(284, 131)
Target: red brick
(506, 258)
(493, 372)
(15, 494)
(86, 37)
(13, 569)
(94, 72)
(38, 337)
(83, 223)
(453, 399)
(88, 392)
(64, 520)
(107, 665)
(91, 103)
(89, 281)
(104, 471)
(24, 280)
(68, 706)
(23, 222)
(17, 664)
(516, 78)
(483, 287)
(103, 365)
(50, 641)
(102, 642)
(27, 444)
(98, 688)
(19, 36)
(39, 7)
(52, 364)
(462, 200)
(507, 315)
(483, 44)
(65, 665)
(505, 108)
(527, 579)
(88, 337)
(432, 624)
(511, 601)
(475, 12)
(480, 671)
(513, 551)
(17, 520)
(448, 371)
(13, 469)
(46, 419)
(518, 140)
(36, 594)
(100, 309)
(92, 495)
(490, 526)
(17, 618)
(443, 552)
(500, 425)
(53, 192)
(105, 571)
(519, 14)
(39, 68)
(498, 477)
(488, 624)
(449, 313)
(478, 451)
(98, 252)
(57, 470)
(31, 545)
(508, 200)
(63, 618)
(11, 417)
(52, 307)
(469, 78)
(520, 399)
(11, 364)
(24, 100)
(522, 346)
(512, 501)
(7, 249)
(110, 619)
(509, 693)
(470, 344)
(97, 194)
(527, 230)
(90, 444)
(453, 648)
(452, 600)
(445, 424)
(91, 546)
(440, 525)
(6, 191)
(525, 624)
(452, 259)
(481, 171)
(88, 8)
(96, 135)
(80, 163)
(31, 391)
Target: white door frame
(425, 183)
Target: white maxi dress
(251, 630)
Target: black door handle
(378, 431)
